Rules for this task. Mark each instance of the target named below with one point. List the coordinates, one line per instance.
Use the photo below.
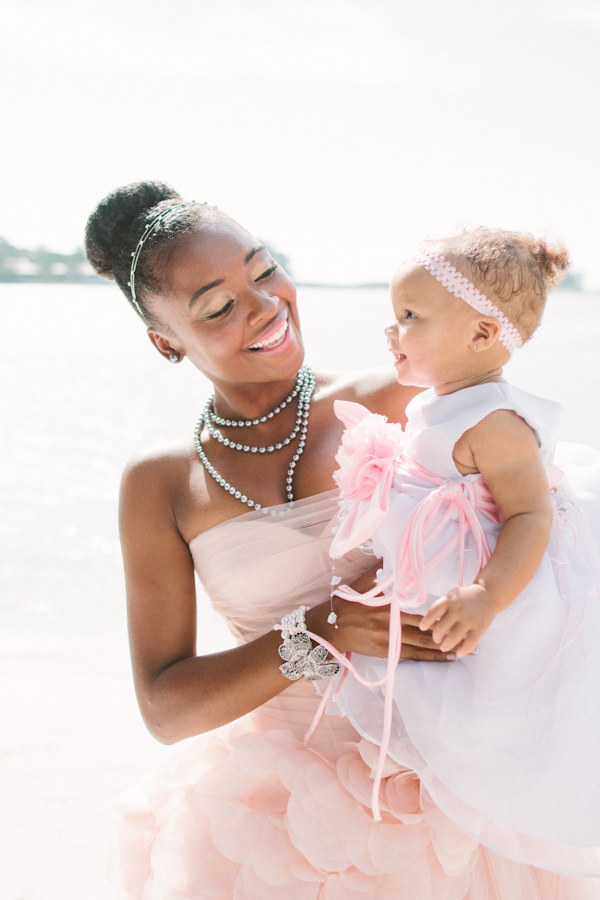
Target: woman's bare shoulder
(164, 491)
(160, 469)
(377, 389)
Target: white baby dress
(507, 742)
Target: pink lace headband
(462, 288)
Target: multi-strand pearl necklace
(217, 420)
(305, 385)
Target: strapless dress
(251, 813)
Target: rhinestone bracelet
(301, 658)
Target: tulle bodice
(263, 564)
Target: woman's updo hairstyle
(115, 227)
(515, 269)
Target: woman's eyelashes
(222, 311)
(268, 272)
(262, 277)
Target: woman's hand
(417, 644)
(365, 629)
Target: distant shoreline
(369, 285)
(95, 279)
(52, 279)
(41, 266)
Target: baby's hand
(460, 619)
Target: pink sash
(407, 585)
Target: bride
(248, 502)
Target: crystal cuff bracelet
(301, 658)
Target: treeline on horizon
(18, 264)
(41, 265)
(45, 266)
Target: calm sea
(83, 390)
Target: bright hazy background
(342, 131)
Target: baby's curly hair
(515, 270)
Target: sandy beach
(84, 391)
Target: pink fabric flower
(367, 457)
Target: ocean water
(82, 391)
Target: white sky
(341, 131)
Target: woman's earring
(474, 348)
(174, 357)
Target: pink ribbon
(408, 581)
(407, 584)
(421, 530)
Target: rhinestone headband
(148, 230)
(465, 290)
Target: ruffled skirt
(253, 814)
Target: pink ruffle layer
(271, 819)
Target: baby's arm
(504, 449)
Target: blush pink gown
(253, 814)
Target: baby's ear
(486, 332)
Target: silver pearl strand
(210, 417)
(305, 386)
(240, 423)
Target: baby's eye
(409, 315)
(266, 273)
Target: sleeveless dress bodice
(267, 562)
(435, 423)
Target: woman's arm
(181, 694)
(504, 449)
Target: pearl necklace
(210, 417)
(217, 420)
(305, 386)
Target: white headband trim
(461, 287)
(149, 229)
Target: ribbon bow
(407, 584)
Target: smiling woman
(213, 274)
(258, 813)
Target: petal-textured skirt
(253, 814)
